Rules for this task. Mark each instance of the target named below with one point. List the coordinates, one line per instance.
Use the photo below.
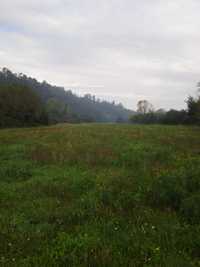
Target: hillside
(100, 195)
(68, 107)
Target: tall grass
(100, 195)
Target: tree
(175, 117)
(57, 111)
(20, 106)
(193, 109)
(143, 107)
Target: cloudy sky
(118, 49)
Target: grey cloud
(124, 49)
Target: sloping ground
(100, 195)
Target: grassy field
(100, 195)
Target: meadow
(100, 195)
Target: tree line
(147, 115)
(25, 102)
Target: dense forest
(20, 106)
(24, 101)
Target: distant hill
(65, 106)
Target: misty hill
(65, 106)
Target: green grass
(100, 195)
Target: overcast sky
(122, 49)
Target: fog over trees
(25, 101)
